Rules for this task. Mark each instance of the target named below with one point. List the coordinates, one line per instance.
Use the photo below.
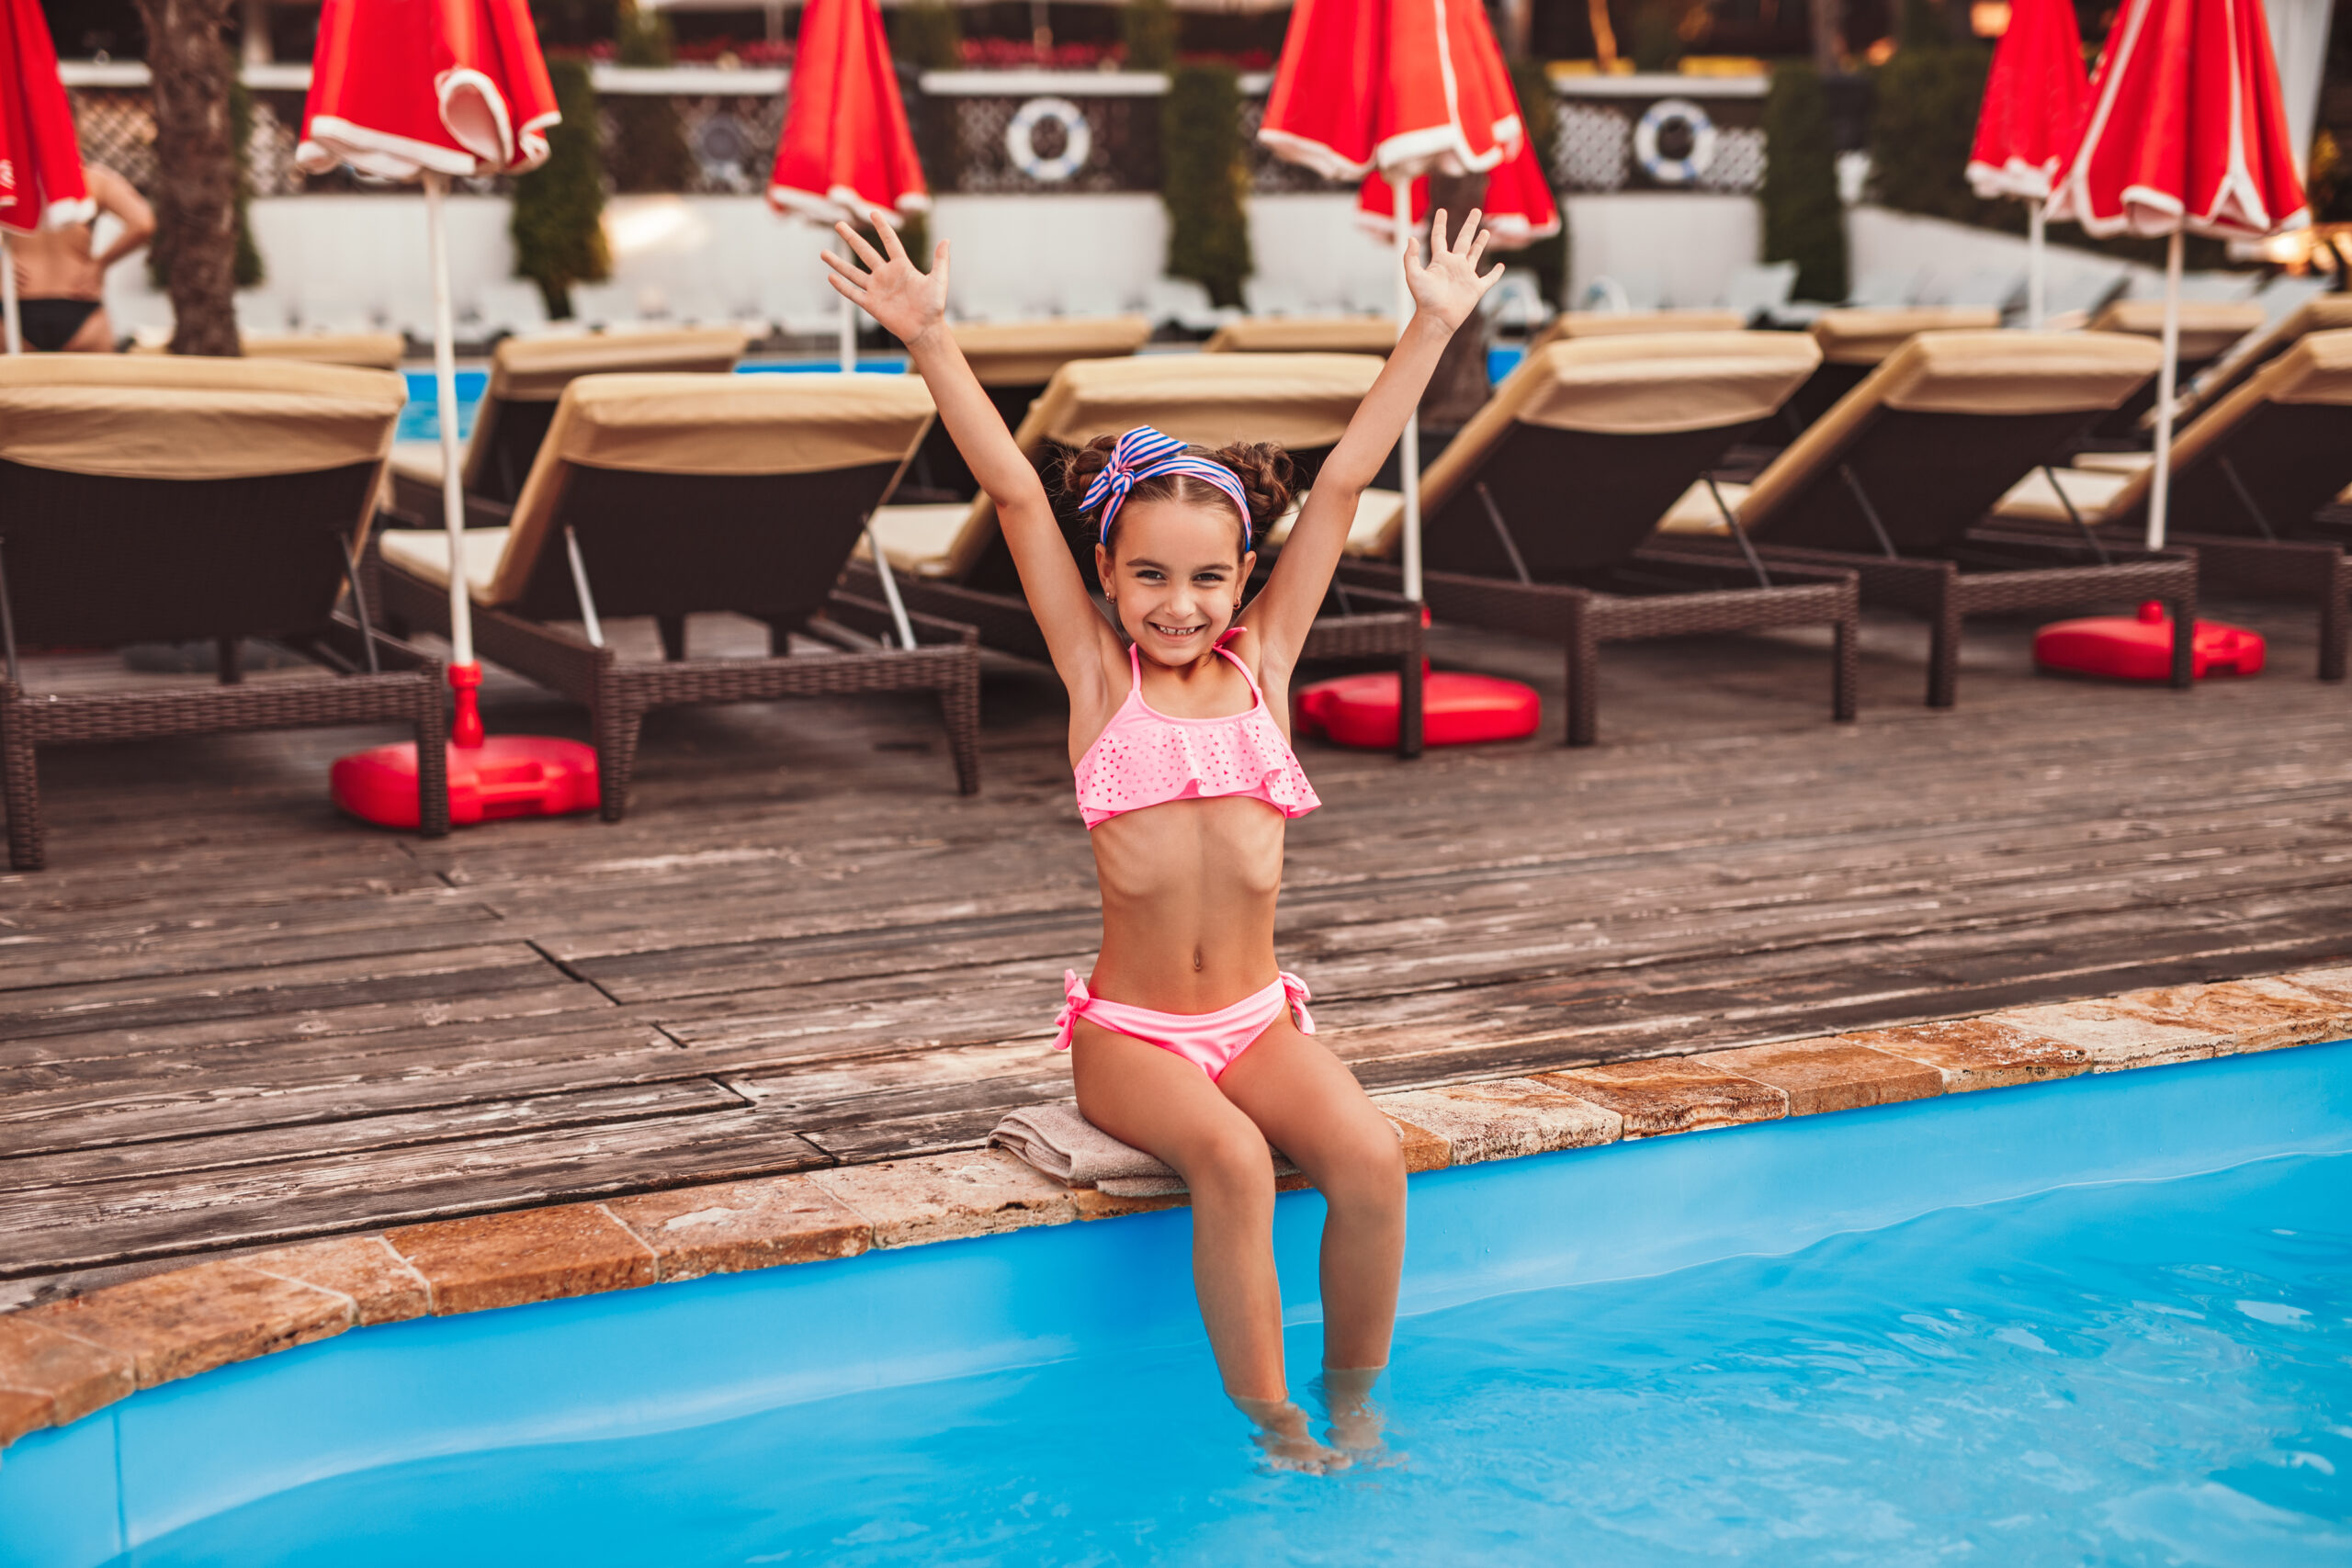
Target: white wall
(1687, 246)
(1040, 255)
(1311, 256)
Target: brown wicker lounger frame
(1013, 361)
(964, 572)
(685, 493)
(1540, 518)
(1892, 481)
(185, 500)
(2251, 479)
(528, 374)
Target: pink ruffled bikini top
(1145, 758)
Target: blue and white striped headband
(1144, 453)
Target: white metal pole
(849, 321)
(2037, 265)
(2160, 490)
(8, 297)
(445, 379)
(1408, 450)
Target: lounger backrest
(1856, 341)
(1584, 446)
(369, 351)
(2285, 435)
(179, 498)
(1304, 335)
(1936, 434)
(1302, 400)
(1572, 324)
(2328, 312)
(2208, 327)
(1013, 361)
(690, 492)
(528, 374)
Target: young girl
(1182, 1040)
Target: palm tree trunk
(195, 169)
(1459, 387)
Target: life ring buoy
(1021, 146)
(1674, 142)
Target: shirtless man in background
(60, 285)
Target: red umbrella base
(506, 775)
(2141, 648)
(1456, 710)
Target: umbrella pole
(1409, 451)
(8, 297)
(848, 322)
(465, 675)
(2160, 489)
(2036, 265)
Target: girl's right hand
(907, 301)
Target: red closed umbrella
(400, 89)
(41, 158)
(2034, 101)
(2187, 132)
(847, 152)
(1403, 88)
(1520, 209)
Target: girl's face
(1178, 578)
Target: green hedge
(559, 207)
(1147, 28)
(1205, 177)
(1539, 109)
(1803, 220)
(648, 151)
(928, 33)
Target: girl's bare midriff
(1188, 903)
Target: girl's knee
(1367, 1167)
(1231, 1162)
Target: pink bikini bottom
(1210, 1040)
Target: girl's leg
(1310, 1106)
(1167, 1107)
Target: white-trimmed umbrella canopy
(41, 184)
(2035, 97)
(2187, 134)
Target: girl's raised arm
(1444, 293)
(913, 305)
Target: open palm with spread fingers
(907, 300)
(1450, 287)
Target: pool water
(2128, 1373)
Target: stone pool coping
(62, 1361)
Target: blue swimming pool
(2108, 1320)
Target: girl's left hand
(1450, 287)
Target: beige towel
(1072, 1150)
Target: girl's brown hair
(1263, 467)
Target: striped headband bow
(1144, 453)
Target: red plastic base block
(1456, 710)
(506, 775)
(2141, 648)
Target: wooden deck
(229, 1017)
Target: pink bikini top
(1144, 757)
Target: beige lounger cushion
(1024, 354)
(2208, 327)
(1378, 514)
(425, 552)
(188, 417)
(1625, 323)
(2093, 491)
(1304, 335)
(1963, 373)
(1866, 335)
(1694, 511)
(1623, 386)
(697, 425)
(367, 350)
(920, 540)
(537, 370)
(2328, 312)
(1298, 399)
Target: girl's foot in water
(1358, 1428)
(1286, 1437)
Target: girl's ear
(1103, 570)
(1248, 565)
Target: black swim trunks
(50, 324)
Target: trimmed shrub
(559, 207)
(1539, 107)
(1803, 220)
(1148, 30)
(928, 33)
(1204, 176)
(1923, 122)
(649, 147)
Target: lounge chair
(1569, 325)
(526, 378)
(2250, 477)
(1304, 335)
(1893, 479)
(665, 495)
(1541, 517)
(953, 563)
(2207, 330)
(191, 499)
(1013, 361)
(2327, 312)
(1856, 341)
(369, 351)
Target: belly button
(1196, 960)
